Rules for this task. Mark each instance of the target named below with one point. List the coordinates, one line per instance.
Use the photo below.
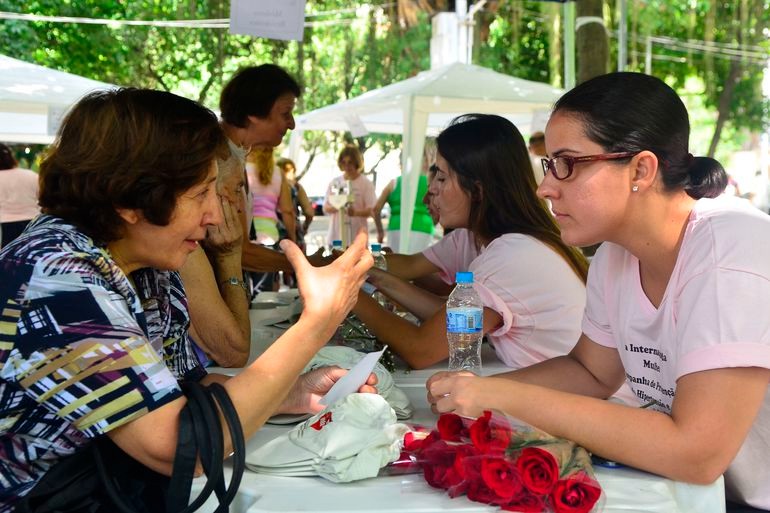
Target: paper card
(353, 380)
(356, 126)
(267, 18)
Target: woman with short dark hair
(94, 315)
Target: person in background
(351, 163)
(257, 107)
(537, 152)
(531, 283)
(300, 201)
(94, 308)
(421, 235)
(672, 299)
(271, 195)
(18, 196)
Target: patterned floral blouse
(81, 350)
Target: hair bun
(707, 177)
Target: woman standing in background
(271, 193)
(18, 196)
(361, 195)
(300, 203)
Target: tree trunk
(591, 42)
(725, 98)
(555, 32)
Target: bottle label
(464, 320)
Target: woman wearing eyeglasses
(531, 283)
(674, 299)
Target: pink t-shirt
(363, 197)
(532, 287)
(265, 197)
(712, 316)
(18, 195)
(452, 253)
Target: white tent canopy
(423, 105)
(33, 99)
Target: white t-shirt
(363, 197)
(535, 291)
(712, 316)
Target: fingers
(294, 255)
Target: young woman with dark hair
(531, 283)
(674, 301)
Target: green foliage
(354, 46)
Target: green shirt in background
(421, 221)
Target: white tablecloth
(625, 490)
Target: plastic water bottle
(337, 245)
(379, 258)
(464, 323)
(380, 263)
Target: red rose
(539, 470)
(489, 435)
(413, 442)
(527, 503)
(502, 477)
(451, 428)
(437, 459)
(576, 494)
(463, 469)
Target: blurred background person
(421, 235)
(300, 202)
(361, 196)
(536, 149)
(270, 195)
(18, 196)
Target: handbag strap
(200, 436)
(238, 441)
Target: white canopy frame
(423, 105)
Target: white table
(625, 490)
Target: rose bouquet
(495, 461)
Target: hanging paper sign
(356, 126)
(267, 18)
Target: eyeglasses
(562, 167)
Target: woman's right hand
(329, 292)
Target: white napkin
(350, 440)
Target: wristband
(235, 282)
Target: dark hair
(127, 148)
(633, 112)
(7, 161)
(253, 91)
(492, 164)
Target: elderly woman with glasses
(531, 283)
(672, 295)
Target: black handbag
(104, 479)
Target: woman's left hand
(311, 386)
(463, 393)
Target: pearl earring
(634, 188)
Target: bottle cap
(376, 247)
(464, 277)
(336, 243)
